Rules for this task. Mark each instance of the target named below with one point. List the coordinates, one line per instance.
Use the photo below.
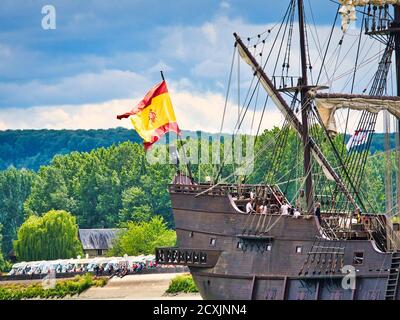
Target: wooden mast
(305, 108)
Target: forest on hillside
(31, 149)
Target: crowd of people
(119, 266)
(282, 206)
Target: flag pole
(188, 164)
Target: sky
(103, 56)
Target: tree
(2, 261)
(52, 236)
(134, 205)
(95, 186)
(143, 237)
(15, 187)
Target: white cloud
(94, 87)
(194, 111)
(211, 33)
(225, 5)
(195, 56)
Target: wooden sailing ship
(348, 252)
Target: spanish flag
(153, 116)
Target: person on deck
(279, 196)
(249, 206)
(265, 209)
(358, 215)
(318, 211)
(301, 202)
(296, 213)
(285, 209)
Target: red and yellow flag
(153, 116)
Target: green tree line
(113, 186)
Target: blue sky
(104, 55)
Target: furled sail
(348, 9)
(327, 104)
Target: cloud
(194, 111)
(224, 5)
(67, 87)
(87, 87)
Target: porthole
(358, 258)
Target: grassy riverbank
(61, 289)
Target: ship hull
(277, 266)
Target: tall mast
(397, 54)
(305, 108)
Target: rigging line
(248, 105)
(361, 65)
(278, 181)
(347, 53)
(317, 43)
(327, 47)
(287, 117)
(262, 117)
(354, 78)
(267, 31)
(308, 48)
(357, 57)
(347, 83)
(277, 140)
(220, 170)
(286, 58)
(383, 232)
(380, 85)
(255, 110)
(227, 93)
(294, 197)
(228, 90)
(268, 228)
(274, 138)
(238, 78)
(277, 35)
(297, 162)
(255, 88)
(264, 107)
(365, 62)
(336, 63)
(356, 69)
(277, 155)
(331, 61)
(279, 148)
(336, 152)
(284, 34)
(371, 156)
(247, 94)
